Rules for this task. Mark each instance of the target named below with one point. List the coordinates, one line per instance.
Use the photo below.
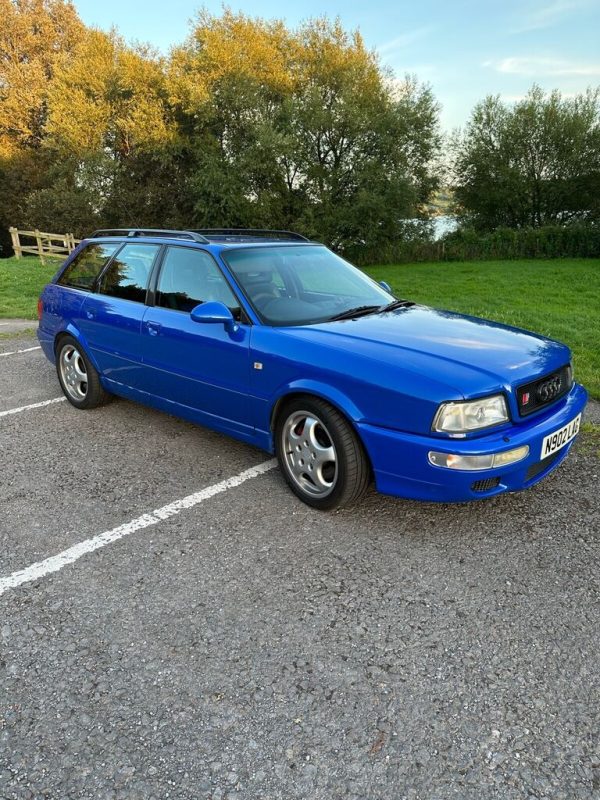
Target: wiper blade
(358, 311)
(397, 304)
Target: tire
(320, 455)
(78, 377)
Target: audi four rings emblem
(549, 389)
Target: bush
(466, 244)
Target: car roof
(217, 238)
(212, 247)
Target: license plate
(561, 437)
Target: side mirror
(385, 286)
(214, 311)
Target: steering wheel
(263, 297)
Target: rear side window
(85, 267)
(128, 274)
(190, 277)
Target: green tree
(301, 129)
(536, 163)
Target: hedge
(557, 241)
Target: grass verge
(590, 438)
(21, 281)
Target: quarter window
(190, 277)
(128, 273)
(87, 265)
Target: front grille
(535, 469)
(485, 485)
(544, 391)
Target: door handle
(153, 328)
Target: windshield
(297, 285)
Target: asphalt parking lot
(240, 645)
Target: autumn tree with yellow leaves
(32, 35)
(248, 122)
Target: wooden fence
(47, 245)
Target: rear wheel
(78, 378)
(320, 455)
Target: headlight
(470, 415)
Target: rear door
(111, 318)
(65, 299)
(198, 365)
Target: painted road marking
(33, 405)
(72, 554)
(25, 350)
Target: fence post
(16, 244)
(40, 247)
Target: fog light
(510, 456)
(455, 461)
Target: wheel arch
(76, 334)
(333, 396)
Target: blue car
(277, 341)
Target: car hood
(468, 353)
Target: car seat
(260, 286)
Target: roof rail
(236, 234)
(195, 236)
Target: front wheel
(320, 455)
(78, 378)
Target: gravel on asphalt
(253, 648)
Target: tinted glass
(128, 274)
(85, 268)
(297, 285)
(190, 277)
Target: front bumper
(401, 466)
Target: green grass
(590, 438)
(21, 281)
(558, 298)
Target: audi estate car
(279, 342)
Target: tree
(300, 129)
(108, 124)
(33, 35)
(248, 123)
(537, 163)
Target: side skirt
(243, 433)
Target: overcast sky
(464, 48)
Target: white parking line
(32, 405)
(16, 352)
(72, 554)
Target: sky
(465, 49)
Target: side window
(190, 277)
(85, 268)
(128, 273)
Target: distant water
(443, 225)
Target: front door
(197, 365)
